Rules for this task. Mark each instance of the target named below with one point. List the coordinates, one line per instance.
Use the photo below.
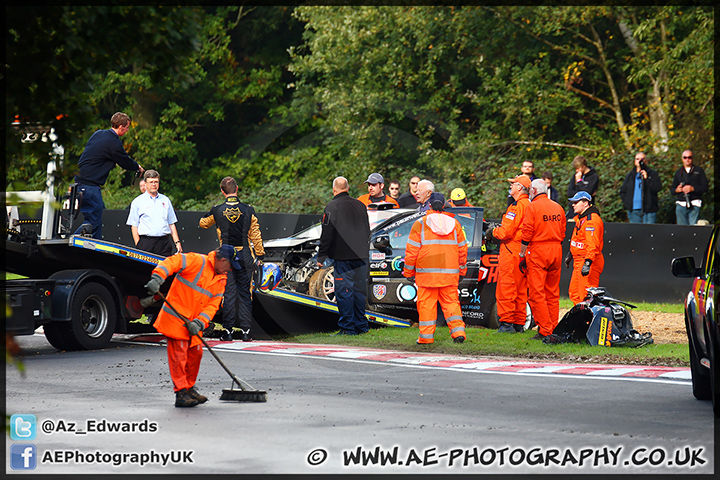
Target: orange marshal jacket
(587, 237)
(509, 231)
(195, 292)
(544, 221)
(436, 251)
(367, 200)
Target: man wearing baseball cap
(511, 291)
(376, 183)
(458, 198)
(586, 246)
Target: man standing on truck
(238, 227)
(436, 256)
(345, 238)
(152, 219)
(103, 151)
(196, 295)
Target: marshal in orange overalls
(511, 292)
(543, 231)
(195, 292)
(436, 255)
(586, 243)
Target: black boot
(246, 335)
(183, 399)
(193, 392)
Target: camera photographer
(639, 192)
(689, 184)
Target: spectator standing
(689, 184)
(436, 256)
(376, 184)
(511, 291)
(345, 238)
(458, 198)
(552, 191)
(585, 179)
(238, 227)
(152, 219)
(543, 231)
(527, 169)
(639, 192)
(408, 199)
(195, 292)
(394, 189)
(586, 245)
(102, 152)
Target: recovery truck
(81, 290)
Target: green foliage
(286, 98)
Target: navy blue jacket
(103, 151)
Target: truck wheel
(322, 284)
(93, 320)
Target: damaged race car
(290, 264)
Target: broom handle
(234, 378)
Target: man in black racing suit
(238, 226)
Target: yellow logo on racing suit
(232, 214)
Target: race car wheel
(529, 319)
(701, 383)
(322, 284)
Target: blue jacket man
(102, 152)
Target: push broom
(246, 393)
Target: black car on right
(701, 320)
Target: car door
(391, 293)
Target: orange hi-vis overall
(586, 243)
(543, 231)
(195, 292)
(511, 290)
(436, 255)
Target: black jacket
(238, 226)
(345, 230)
(589, 184)
(650, 188)
(407, 200)
(696, 177)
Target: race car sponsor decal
(379, 291)
(406, 292)
(379, 274)
(377, 256)
(489, 269)
(382, 265)
(398, 263)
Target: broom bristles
(244, 395)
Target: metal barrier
(637, 257)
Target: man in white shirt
(152, 219)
